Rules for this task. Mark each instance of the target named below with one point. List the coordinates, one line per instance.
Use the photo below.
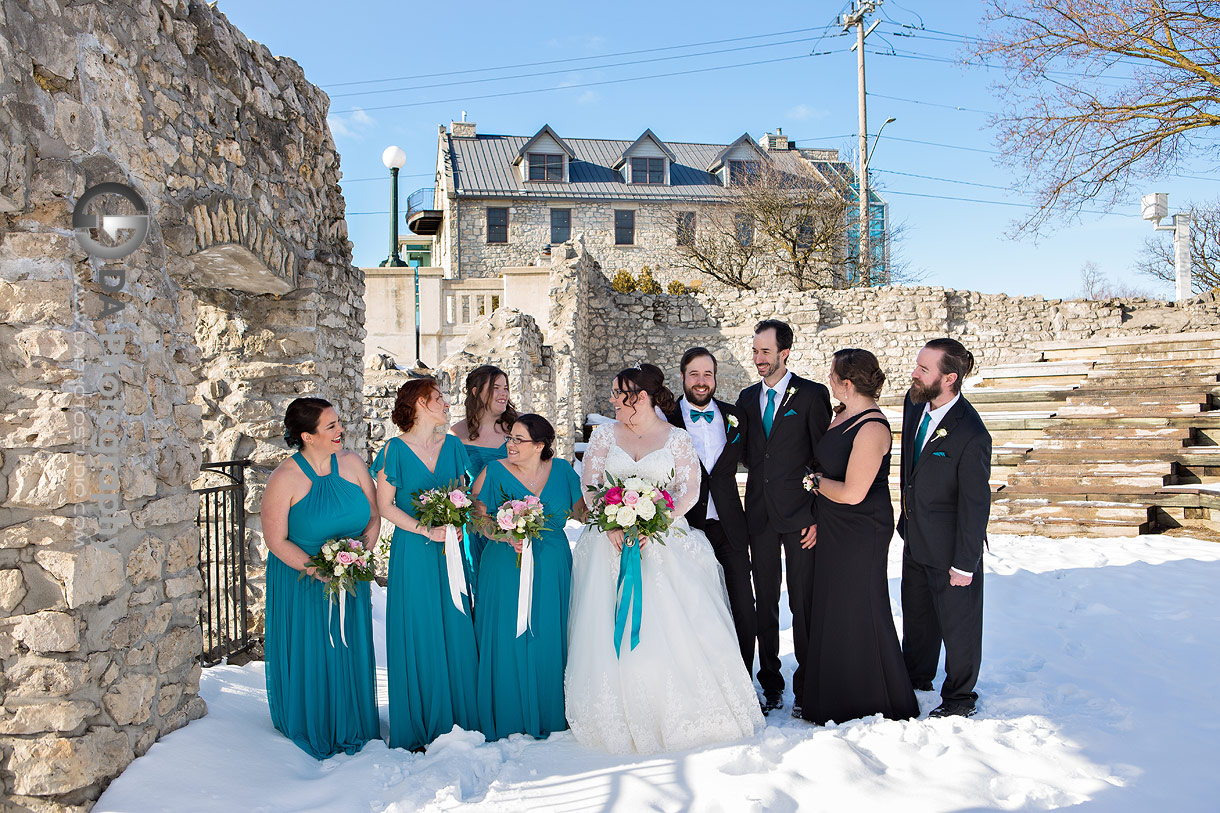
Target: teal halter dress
(521, 678)
(322, 695)
(480, 456)
(431, 659)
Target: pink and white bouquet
(345, 562)
(450, 507)
(636, 506)
(521, 520)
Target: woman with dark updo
(484, 433)
(321, 685)
(854, 661)
(431, 660)
(521, 672)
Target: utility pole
(856, 17)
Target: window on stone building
(686, 228)
(544, 167)
(624, 227)
(745, 229)
(561, 226)
(497, 224)
(742, 172)
(648, 170)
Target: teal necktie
(769, 412)
(695, 415)
(919, 436)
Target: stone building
(502, 201)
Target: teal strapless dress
(480, 456)
(322, 695)
(521, 678)
(431, 659)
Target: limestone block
(31, 301)
(46, 343)
(53, 765)
(192, 709)
(176, 508)
(45, 480)
(182, 552)
(168, 698)
(130, 700)
(47, 631)
(89, 575)
(178, 648)
(37, 677)
(145, 562)
(65, 715)
(190, 584)
(142, 655)
(12, 589)
(159, 620)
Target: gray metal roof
(483, 167)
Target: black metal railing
(420, 200)
(224, 616)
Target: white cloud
(352, 125)
(588, 97)
(804, 111)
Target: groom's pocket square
(938, 454)
(790, 412)
(734, 440)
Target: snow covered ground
(1100, 665)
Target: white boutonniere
(940, 433)
(791, 392)
(733, 421)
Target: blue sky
(936, 164)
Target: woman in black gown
(854, 659)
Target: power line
(934, 104)
(993, 202)
(383, 177)
(577, 85)
(945, 180)
(578, 58)
(937, 144)
(569, 70)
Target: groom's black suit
(728, 534)
(778, 510)
(946, 500)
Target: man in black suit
(946, 500)
(786, 416)
(718, 432)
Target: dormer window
(648, 170)
(742, 172)
(545, 167)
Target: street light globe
(394, 158)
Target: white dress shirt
(938, 415)
(709, 440)
(781, 389)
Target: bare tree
(1102, 92)
(1094, 284)
(710, 243)
(1156, 258)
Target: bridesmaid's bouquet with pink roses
(451, 505)
(636, 506)
(345, 562)
(521, 520)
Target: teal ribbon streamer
(631, 594)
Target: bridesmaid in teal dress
(431, 659)
(489, 417)
(521, 676)
(321, 691)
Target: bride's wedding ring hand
(617, 537)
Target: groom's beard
(701, 398)
(922, 395)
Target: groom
(718, 432)
(786, 416)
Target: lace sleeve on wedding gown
(593, 462)
(684, 487)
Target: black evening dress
(854, 658)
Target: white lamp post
(1155, 207)
(394, 159)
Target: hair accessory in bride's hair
(637, 366)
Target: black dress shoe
(948, 709)
(797, 712)
(922, 685)
(772, 701)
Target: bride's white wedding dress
(684, 685)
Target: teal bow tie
(695, 415)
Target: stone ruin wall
(241, 298)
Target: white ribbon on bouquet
(330, 605)
(525, 587)
(453, 567)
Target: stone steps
(1078, 510)
(1117, 379)
(1084, 483)
(1187, 455)
(1142, 409)
(1060, 528)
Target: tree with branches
(1156, 258)
(1102, 93)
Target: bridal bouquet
(345, 562)
(451, 507)
(638, 508)
(634, 505)
(522, 521)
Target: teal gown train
(479, 456)
(322, 693)
(431, 658)
(521, 678)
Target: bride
(684, 684)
